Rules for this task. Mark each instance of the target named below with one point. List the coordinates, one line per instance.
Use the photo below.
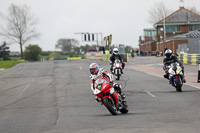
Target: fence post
(198, 80)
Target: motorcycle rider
(99, 75)
(115, 56)
(170, 58)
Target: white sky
(124, 19)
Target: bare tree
(158, 12)
(193, 9)
(67, 45)
(20, 25)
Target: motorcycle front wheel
(178, 85)
(110, 105)
(124, 110)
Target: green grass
(45, 57)
(9, 64)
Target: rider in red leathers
(99, 75)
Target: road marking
(149, 93)
(154, 65)
(26, 87)
(80, 68)
(23, 90)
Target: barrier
(74, 58)
(189, 58)
(185, 58)
(193, 59)
(105, 57)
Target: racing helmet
(94, 68)
(168, 53)
(115, 51)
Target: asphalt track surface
(55, 97)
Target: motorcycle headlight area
(96, 91)
(172, 72)
(112, 90)
(178, 71)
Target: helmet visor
(116, 52)
(168, 55)
(92, 71)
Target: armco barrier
(189, 58)
(185, 58)
(105, 57)
(74, 58)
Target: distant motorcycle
(110, 98)
(117, 69)
(176, 76)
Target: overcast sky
(124, 19)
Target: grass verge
(9, 64)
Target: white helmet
(94, 68)
(115, 51)
(168, 53)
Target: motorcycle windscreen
(117, 61)
(99, 86)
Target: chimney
(181, 4)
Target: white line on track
(80, 68)
(149, 93)
(23, 90)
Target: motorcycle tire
(110, 105)
(178, 85)
(124, 110)
(118, 76)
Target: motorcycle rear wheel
(110, 105)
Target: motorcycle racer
(170, 58)
(100, 75)
(115, 56)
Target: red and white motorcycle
(117, 69)
(112, 100)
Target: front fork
(173, 79)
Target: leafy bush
(55, 55)
(33, 52)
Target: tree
(158, 12)
(33, 52)
(4, 51)
(127, 49)
(193, 9)
(67, 45)
(20, 25)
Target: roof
(149, 29)
(181, 16)
(193, 34)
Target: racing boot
(184, 81)
(123, 95)
(166, 76)
(122, 71)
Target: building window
(178, 28)
(148, 33)
(191, 27)
(196, 27)
(170, 28)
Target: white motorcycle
(176, 76)
(117, 69)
